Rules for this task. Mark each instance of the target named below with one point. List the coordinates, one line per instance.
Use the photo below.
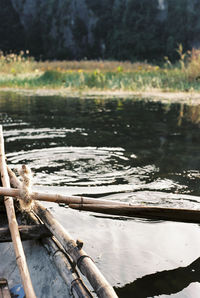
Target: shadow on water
(166, 282)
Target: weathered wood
(155, 213)
(13, 226)
(4, 290)
(32, 232)
(84, 263)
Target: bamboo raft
(36, 226)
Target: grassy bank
(21, 71)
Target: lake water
(129, 150)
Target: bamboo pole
(69, 275)
(155, 213)
(113, 207)
(100, 285)
(13, 226)
(55, 198)
(79, 256)
(62, 262)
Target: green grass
(170, 80)
(23, 72)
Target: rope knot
(25, 189)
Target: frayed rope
(25, 200)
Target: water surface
(135, 151)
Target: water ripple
(42, 133)
(91, 170)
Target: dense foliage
(12, 35)
(121, 29)
(139, 30)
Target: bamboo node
(17, 258)
(25, 200)
(81, 258)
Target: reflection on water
(135, 151)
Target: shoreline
(190, 98)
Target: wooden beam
(155, 213)
(13, 226)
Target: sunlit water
(120, 149)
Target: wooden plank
(32, 232)
(4, 290)
(155, 213)
(13, 226)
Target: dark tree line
(12, 35)
(134, 30)
(124, 30)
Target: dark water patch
(142, 134)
